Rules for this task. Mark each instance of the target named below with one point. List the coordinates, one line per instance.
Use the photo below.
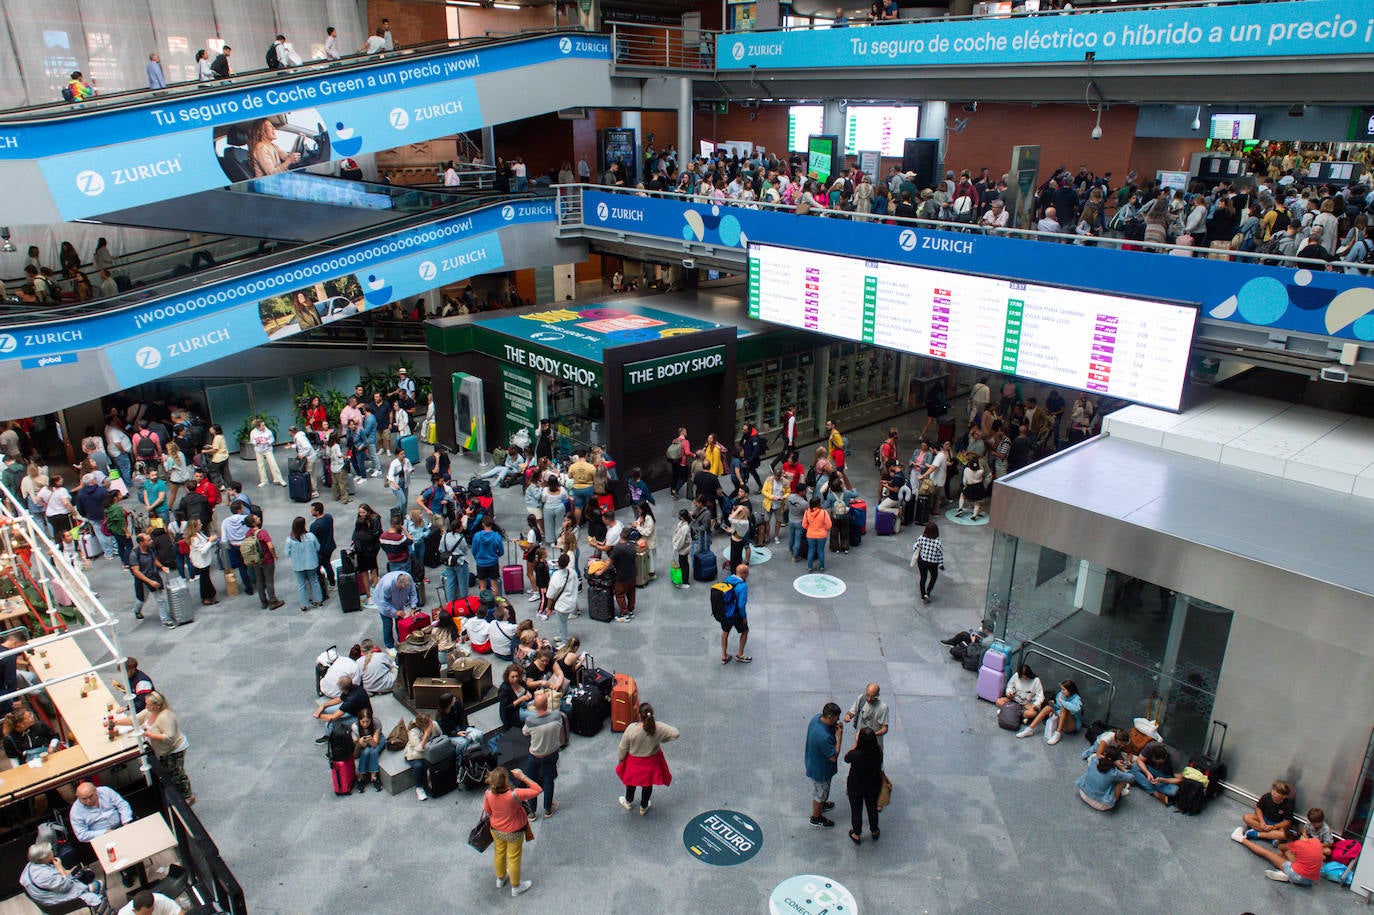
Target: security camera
(1097, 133)
(688, 263)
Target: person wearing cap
(405, 388)
(908, 186)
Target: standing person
(374, 43)
(789, 429)
(642, 763)
(683, 462)
(398, 478)
(219, 67)
(974, 490)
(456, 558)
(322, 528)
(202, 558)
(305, 451)
(168, 742)
(265, 572)
(816, 522)
(395, 595)
(487, 549)
(869, 712)
(682, 546)
(543, 730)
(736, 614)
(366, 540)
(835, 444)
(553, 506)
(204, 72)
(797, 506)
(822, 751)
(331, 44)
(264, 441)
(156, 79)
(929, 554)
(509, 819)
(562, 598)
(303, 552)
(386, 35)
(775, 491)
(147, 571)
(625, 559)
(648, 530)
(217, 453)
(865, 780)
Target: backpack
(67, 94)
(273, 63)
(340, 746)
(973, 657)
(1191, 797)
(1009, 717)
(722, 601)
(144, 446)
(250, 548)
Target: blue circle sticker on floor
(758, 555)
(819, 585)
(966, 519)
(809, 894)
(722, 837)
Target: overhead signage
(538, 359)
(1247, 294)
(722, 837)
(1128, 348)
(585, 332)
(1297, 28)
(677, 367)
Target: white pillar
(833, 122)
(685, 143)
(934, 120)
(1091, 588)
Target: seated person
(146, 902)
(527, 647)
(421, 731)
(1105, 780)
(25, 735)
(352, 699)
(447, 637)
(1120, 738)
(968, 636)
(142, 684)
(569, 660)
(452, 720)
(376, 669)
(1026, 690)
(477, 631)
(1316, 828)
(542, 673)
(1272, 815)
(47, 882)
(370, 740)
(98, 811)
(341, 666)
(1154, 772)
(504, 635)
(513, 466)
(514, 698)
(1061, 715)
(1299, 862)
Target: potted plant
(246, 427)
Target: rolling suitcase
(348, 561)
(417, 575)
(858, 515)
(624, 702)
(885, 524)
(992, 673)
(410, 444)
(856, 534)
(909, 511)
(642, 575)
(90, 543)
(704, 566)
(342, 773)
(1210, 764)
(922, 509)
(589, 711)
(406, 625)
(512, 574)
(600, 604)
(179, 596)
(350, 600)
(441, 777)
(298, 486)
(945, 431)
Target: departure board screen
(1128, 348)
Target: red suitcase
(624, 702)
(607, 502)
(416, 621)
(343, 773)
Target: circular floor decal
(758, 555)
(966, 519)
(809, 894)
(819, 585)
(722, 837)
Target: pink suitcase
(342, 774)
(513, 579)
(992, 676)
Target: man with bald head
(869, 711)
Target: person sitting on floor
(1105, 780)
(1317, 828)
(1061, 715)
(1026, 690)
(1299, 862)
(1120, 738)
(1273, 814)
(1154, 772)
(376, 669)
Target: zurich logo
(546, 336)
(737, 52)
(428, 271)
(148, 357)
(508, 212)
(907, 240)
(602, 211)
(90, 183)
(565, 45)
(399, 119)
(8, 344)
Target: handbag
(1009, 716)
(398, 737)
(479, 837)
(885, 792)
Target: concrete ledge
(395, 771)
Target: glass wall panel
(182, 29)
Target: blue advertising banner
(386, 269)
(1324, 304)
(1281, 29)
(214, 107)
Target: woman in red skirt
(641, 759)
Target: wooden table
(134, 843)
(84, 716)
(13, 612)
(25, 779)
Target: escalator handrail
(144, 295)
(44, 112)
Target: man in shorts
(822, 755)
(736, 614)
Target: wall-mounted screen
(802, 122)
(820, 157)
(880, 127)
(1133, 349)
(1232, 127)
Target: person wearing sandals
(736, 615)
(865, 780)
(642, 764)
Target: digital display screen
(1233, 127)
(1174, 181)
(820, 158)
(1128, 348)
(802, 122)
(881, 127)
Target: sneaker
(828, 805)
(1238, 835)
(1126, 790)
(532, 598)
(524, 885)
(356, 480)
(322, 739)
(645, 808)
(1251, 834)
(624, 803)
(1278, 876)
(822, 823)
(1054, 738)
(745, 659)
(551, 811)
(392, 652)
(1024, 733)
(168, 624)
(138, 614)
(276, 604)
(261, 485)
(420, 794)
(501, 882)
(305, 609)
(961, 512)
(377, 784)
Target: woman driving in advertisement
(264, 154)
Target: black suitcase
(298, 486)
(442, 777)
(348, 561)
(1211, 764)
(856, 534)
(909, 512)
(417, 575)
(589, 711)
(599, 679)
(296, 465)
(512, 748)
(600, 604)
(922, 509)
(474, 765)
(432, 558)
(350, 601)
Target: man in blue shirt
(370, 437)
(394, 596)
(822, 753)
(736, 614)
(156, 80)
(98, 811)
(487, 549)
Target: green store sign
(539, 359)
(677, 367)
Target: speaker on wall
(923, 158)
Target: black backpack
(1191, 797)
(272, 62)
(340, 746)
(973, 657)
(145, 447)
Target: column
(934, 119)
(1178, 620)
(685, 142)
(488, 146)
(631, 119)
(1091, 588)
(833, 122)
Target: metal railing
(570, 215)
(664, 47)
(1030, 647)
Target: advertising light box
(1129, 348)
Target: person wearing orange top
(509, 820)
(816, 523)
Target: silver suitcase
(183, 608)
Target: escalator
(199, 137)
(62, 356)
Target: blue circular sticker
(809, 894)
(818, 585)
(722, 837)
